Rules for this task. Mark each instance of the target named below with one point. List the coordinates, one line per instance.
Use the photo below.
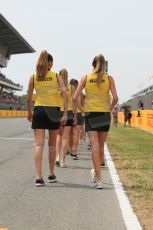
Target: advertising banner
(144, 120)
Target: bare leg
(71, 139)
(94, 141)
(65, 142)
(129, 123)
(82, 133)
(38, 150)
(113, 121)
(76, 137)
(59, 144)
(52, 149)
(102, 138)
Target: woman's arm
(29, 98)
(64, 94)
(113, 92)
(63, 91)
(73, 89)
(78, 93)
(82, 100)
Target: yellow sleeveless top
(47, 90)
(97, 95)
(69, 96)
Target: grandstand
(145, 95)
(11, 43)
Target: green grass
(132, 152)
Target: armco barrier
(144, 121)
(12, 113)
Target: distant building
(11, 43)
(145, 95)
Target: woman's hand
(29, 117)
(82, 109)
(63, 119)
(74, 120)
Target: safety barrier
(13, 113)
(144, 121)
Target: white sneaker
(93, 175)
(99, 185)
(63, 165)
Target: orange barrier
(13, 113)
(144, 121)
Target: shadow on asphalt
(86, 159)
(79, 186)
(79, 167)
(85, 154)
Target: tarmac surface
(70, 204)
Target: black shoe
(103, 164)
(39, 182)
(57, 163)
(75, 157)
(70, 154)
(51, 178)
(89, 147)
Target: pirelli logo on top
(95, 81)
(45, 79)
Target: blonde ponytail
(99, 66)
(42, 65)
(64, 74)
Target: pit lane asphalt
(71, 204)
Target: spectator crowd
(3, 78)
(9, 98)
(9, 101)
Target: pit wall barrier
(12, 113)
(144, 121)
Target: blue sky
(74, 31)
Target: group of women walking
(59, 105)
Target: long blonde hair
(64, 74)
(98, 64)
(42, 64)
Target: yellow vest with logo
(97, 95)
(47, 90)
(69, 96)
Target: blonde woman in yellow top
(70, 118)
(46, 113)
(59, 135)
(78, 123)
(97, 86)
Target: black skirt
(80, 119)
(97, 121)
(46, 117)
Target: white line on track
(14, 138)
(130, 219)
